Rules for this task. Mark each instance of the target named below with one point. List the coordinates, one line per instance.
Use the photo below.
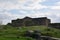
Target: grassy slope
(11, 33)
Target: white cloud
(20, 4)
(55, 7)
(58, 3)
(32, 4)
(8, 6)
(24, 1)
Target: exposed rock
(36, 34)
(28, 33)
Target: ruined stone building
(27, 21)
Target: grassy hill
(16, 33)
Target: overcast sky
(12, 9)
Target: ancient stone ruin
(28, 21)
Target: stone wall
(55, 25)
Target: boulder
(28, 33)
(34, 34)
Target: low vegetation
(16, 33)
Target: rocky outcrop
(37, 35)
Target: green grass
(11, 33)
(15, 38)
